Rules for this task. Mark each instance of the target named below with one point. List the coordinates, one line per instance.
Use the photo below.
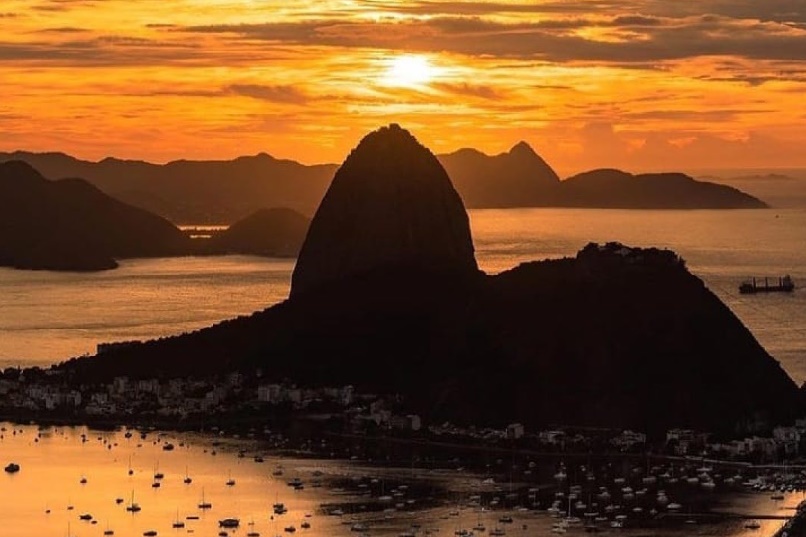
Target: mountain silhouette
(609, 188)
(390, 204)
(71, 225)
(222, 192)
(616, 336)
(277, 232)
(518, 178)
(186, 191)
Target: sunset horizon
(403, 268)
(641, 85)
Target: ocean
(47, 317)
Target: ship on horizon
(784, 285)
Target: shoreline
(533, 495)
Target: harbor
(220, 484)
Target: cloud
(470, 90)
(620, 39)
(277, 94)
(63, 30)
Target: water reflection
(87, 481)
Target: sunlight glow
(408, 71)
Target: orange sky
(640, 84)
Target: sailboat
(108, 530)
(131, 472)
(252, 532)
(157, 473)
(203, 504)
(230, 481)
(178, 523)
(187, 480)
(133, 507)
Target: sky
(636, 84)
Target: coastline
(439, 484)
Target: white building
(515, 431)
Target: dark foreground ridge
(616, 336)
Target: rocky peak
(391, 204)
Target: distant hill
(71, 225)
(266, 232)
(608, 188)
(614, 337)
(186, 191)
(517, 178)
(222, 192)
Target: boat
(178, 522)
(203, 504)
(150, 533)
(290, 529)
(229, 523)
(230, 481)
(753, 525)
(785, 285)
(85, 516)
(12, 468)
(133, 507)
(168, 447)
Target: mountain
(222, 192)
(186, 191)
(269, 232)
(71, 225)
(390, 204)
(615, 337)
(608, 188)
(517, 178)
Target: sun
(408, 71)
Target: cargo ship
(784, 285)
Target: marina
(316, 496)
